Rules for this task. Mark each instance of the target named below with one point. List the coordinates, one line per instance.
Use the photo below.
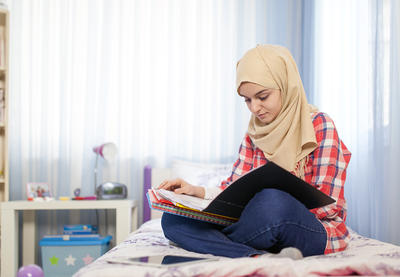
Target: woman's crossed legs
(271, 221)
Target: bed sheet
(364, 256)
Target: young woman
(284, 129)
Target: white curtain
(155, 77)
(357, 62)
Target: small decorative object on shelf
(77, 192)
(2, 104)
(38, 192)
(2, 47)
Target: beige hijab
(290, 137)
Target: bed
(364, 256)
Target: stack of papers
(184, 200)
(158, 202)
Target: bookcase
(4, 42)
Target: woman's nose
(254, 106)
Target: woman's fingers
(160, 186)
(164, 185)
(170, 184)
(179, 186)
(183, 190)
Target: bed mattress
(364, 256)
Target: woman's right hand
(180, 186)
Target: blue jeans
(271, 221)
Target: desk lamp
(109, 190)
(108, 151)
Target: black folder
(231, 201)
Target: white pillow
(201, 174)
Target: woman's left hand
(180, 186)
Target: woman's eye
(262, 98)
(247, 100)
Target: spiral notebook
(227, 207)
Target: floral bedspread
(364, 256)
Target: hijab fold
(290, 137)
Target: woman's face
(264, 103)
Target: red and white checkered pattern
(325, 170)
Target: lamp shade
(107, 150)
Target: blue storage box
(63, 255)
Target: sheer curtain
(357, 59)
(155, 77)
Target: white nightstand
(126, 221)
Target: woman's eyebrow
(261, 91)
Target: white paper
(185, 200)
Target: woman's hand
(180, 186)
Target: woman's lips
(262, 115)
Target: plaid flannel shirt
(325, 170)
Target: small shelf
(4, 107)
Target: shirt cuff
(211, 192)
